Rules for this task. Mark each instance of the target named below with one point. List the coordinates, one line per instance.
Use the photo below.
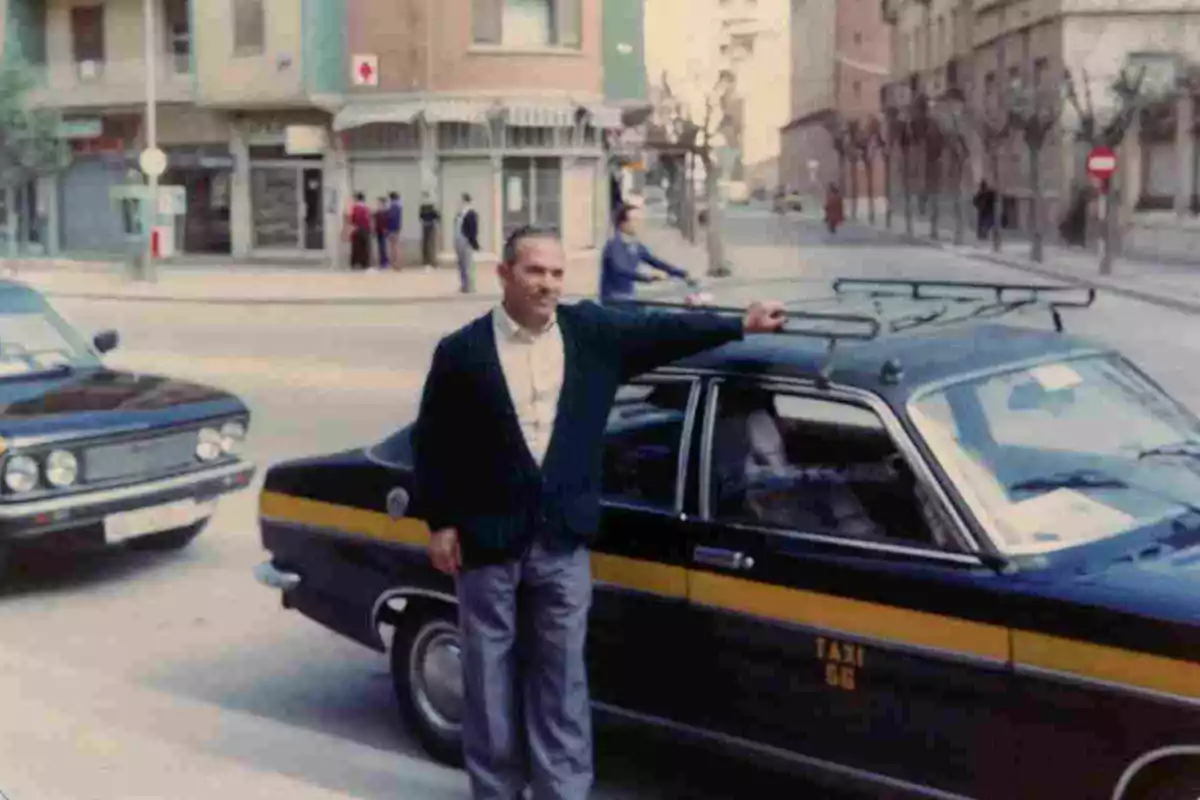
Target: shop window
(249, 27)
(532, 193)
(179, 34)
(384, 136)
(461, 136)
(527, 138)
(527, 23)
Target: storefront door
(285, 196)
(532, 193)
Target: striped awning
(605, 116)
(356, 115)
(539, 115)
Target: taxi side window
(816, 466)
(642, 444)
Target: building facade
(273, 113)
(840, 58)
(986, 49)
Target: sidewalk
(1171, 285)
(70, 735)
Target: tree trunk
(887, 188)
(998, 211)
(932, 185)
(869, 180)
(852, 167)
(957, 166)
(717, 268)
(1035, 204)
(908, 217)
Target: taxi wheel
(174, 539)
(427, 676)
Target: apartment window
(527, 23)
(249, 27)
(1040, 66)
(856, 87)
(179, 34)
(857, 37)
(87, 34)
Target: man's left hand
(764, 317)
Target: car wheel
(426, 664)
(174, 539)
(1169, 784)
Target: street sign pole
(150, 208)
(1101, 165)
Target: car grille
(140, 457)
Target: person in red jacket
(360, 233)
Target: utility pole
(150, 217)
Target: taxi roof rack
(964, 293)
(808, 324)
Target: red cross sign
(365, 70)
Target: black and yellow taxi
(923, 547)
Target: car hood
(101, 400)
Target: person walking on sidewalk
(429, 221)
(466, 244)
(985, 210)
(530, 385)
(835, 210)
(623, 253)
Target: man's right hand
(444, 551)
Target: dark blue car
(947, 557)
(92, 456)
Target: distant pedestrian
(623, 253)
(359, 224)
(985, 210)
(395, 222)
(381, 231)
(835, 208)
(429, 223)
(528, 387)
(466, 244)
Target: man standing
(359, 223)
(466, 244)
(530, 386)
(395, 222)
(382, 213)
(429, 220)
(622, 255)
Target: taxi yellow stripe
(373, 524)
(644, 576)
(1110, 664)
(854, 617)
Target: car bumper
(22, 521)
(271, 576)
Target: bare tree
(1034, 114)
(835, 126)
(927, 134)
(31, 143)
(1129, 97)
(885, 146)
(696, 134)
(899, 133)
(994, 130)
(870, 141)
(955, 123)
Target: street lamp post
(150, 216)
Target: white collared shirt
(533, 365)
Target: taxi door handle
(720, 557)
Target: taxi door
(639, 644)
(875, 652)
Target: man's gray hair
(526, 232)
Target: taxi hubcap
(435, 675)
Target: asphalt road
(195, 626)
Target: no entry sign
(1101, 163)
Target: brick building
(840, 59)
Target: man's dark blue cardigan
(474, 471)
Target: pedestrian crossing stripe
(878, 623)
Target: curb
(1183, 306)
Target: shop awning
(472, 111)
(541, 115)
(356, 115)
(605, 116)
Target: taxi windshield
(1063, 453)
(34, 339)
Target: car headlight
(21, 474)
(62, 468)
(208, 444)
(232, 435)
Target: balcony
(94, 84)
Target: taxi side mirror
(106, 341)
(397, 503)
